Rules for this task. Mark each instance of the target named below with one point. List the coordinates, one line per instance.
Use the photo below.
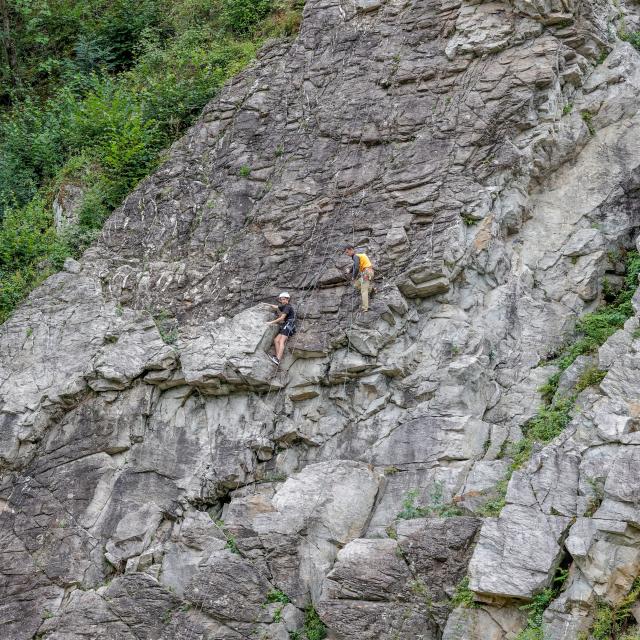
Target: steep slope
(160, 479)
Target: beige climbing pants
(363, 283)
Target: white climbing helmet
(284, 294)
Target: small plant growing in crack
(590, 378)
(469, 220)
(463, 596)
(167, 326)
(314, 628)
(494, 506)
(275, 595)
(596, 498)
(436, 507)
(167, 616)
(231, 544)
(587, 118)
(612, 621)
(536, 608)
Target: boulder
(297, 532)
(424, 280)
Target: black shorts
(287, 329)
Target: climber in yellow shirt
(362, 274)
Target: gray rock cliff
(160, 479)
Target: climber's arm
(279, 319)
(356, 267)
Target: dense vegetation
(91, 92)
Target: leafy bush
(494, 506)
(590, 378)
(242, 16)
(29, 252)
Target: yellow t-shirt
(365, 263)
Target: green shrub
(587, 117)
(30, 251)
(494, 506)
(275, 595)
(314, 628)
(409, 508)
(549, 389)
(241, 16)
(547, 424)
(463, 596)
(633, 38)
(232, 545)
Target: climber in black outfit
(287, 318)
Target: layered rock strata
(161, 479)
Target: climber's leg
(357, 284)
(276, 348)
(280, 346)
(364, 290)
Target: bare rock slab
(517, 554)
(230, 352)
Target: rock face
(161, 479)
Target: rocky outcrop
(398, 587)
(161, 478)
